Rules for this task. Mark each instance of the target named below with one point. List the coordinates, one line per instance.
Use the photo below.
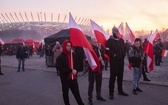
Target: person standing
(157, 52)
(48, 53)
(1, 50)
(21, 55)
(136, 58)
(115, 48)
(57, 49)
(95, 75)
(144, 63)
(68, 66)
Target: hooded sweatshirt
(65, 63)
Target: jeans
(49, 60)
(21, 61)
(136, 76)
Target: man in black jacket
(95, 75)
(67, 65)
(21, 55)
(115, 48)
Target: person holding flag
(67, 65)
(115, 48)
(136, 57)
(95, 75)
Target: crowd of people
(69, 60)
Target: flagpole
(72, 64)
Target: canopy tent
(29, 42)
(18, 41)
(60, 36)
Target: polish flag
(149, 50)
(121, 30)
(78, 38)
(157, 35)
(164, 53)
(130, 34)
(1, 42)
(100, 35)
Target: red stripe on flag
(78, 39)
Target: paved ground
(158, 76)
(39, 85)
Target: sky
(139, 14)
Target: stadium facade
(36, 26)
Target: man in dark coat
(95, 75)
(115, 48)
(21, 55)
(67, 65)
(157, 52)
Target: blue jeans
(21, 61)
(136, 76)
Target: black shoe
(123, 93)
(111, 97)
(101, 99)
(147, 71)
(90, 102)
(138, 89)
(146, 79)
(134, 92)
(1, 74)
(23, 70)
(18, 71)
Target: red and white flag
(1, 42)
(149, 50)
(130, 34)
(164, 53)
(121, 30)
(99, 33)
(157, 35)
(78, 38)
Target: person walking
(21, 55)
(68, 67)
(115, 48)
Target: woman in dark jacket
(67, 65)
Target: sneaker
(134, 92)
(146, 79)
(101, 99)
(123, 93)
(111, 97)
(138, 89)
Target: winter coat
(21, 53)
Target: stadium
(36, 26)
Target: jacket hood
(64, 46)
